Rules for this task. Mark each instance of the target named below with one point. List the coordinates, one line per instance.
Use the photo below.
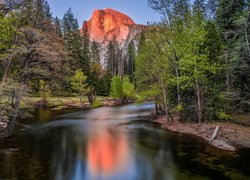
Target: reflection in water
(107, 151)
(107, 144)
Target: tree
(111, 59)
(122, 88)
(73, 40)
(128, 89)
(44, 91)
(95, 54)
(78, 84)
(116, 87)
(200, 9)
(191, 48)
(85, 62)
(58, 27)
(153, 82)
(70, 23)
(30, 53)
(95, 79)
(232, 18)
(130, 64)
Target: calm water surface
(111, 143)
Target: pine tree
(130, 64)
(85, 61)
(42, 16)
(58, 27)
(111, 59)
(74, 43)
(232, 18)
(95, 54)
(70, 23)
(199, 8)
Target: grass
(58, 101)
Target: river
(112, 143)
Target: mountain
(107, 25)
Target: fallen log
(215, 133)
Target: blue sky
(138, 10)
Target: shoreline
(230, 136)
(58, 104)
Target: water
(113, 144)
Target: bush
(96, 104)
(223, 116)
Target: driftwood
(215, 133)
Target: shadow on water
(113, 144)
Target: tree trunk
(215, 133)
(246, 28)
(5, 73)
(177, 85)
(166, 109)
(91, 97)
(227, 70)
(156, 106)
(199, 101)
(81, 102)
(16, 98)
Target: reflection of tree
(107, 151)
(22, 165)
(68, 156)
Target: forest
(194, 64)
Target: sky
(138, 10)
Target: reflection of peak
(109, 24)
(107, 150)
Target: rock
(227, 130)
(3, 125)
(222, 145)
(108, 25)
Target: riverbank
(58, 104)
(230, 136)
(67, 102)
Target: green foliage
(122, 88)
(112, 60)
(78, 82)
(44, 91)
(223, 116)
(7, 31)
(116, 87)
(96, 104)
(128, 88)
(178, 108)
(130, 64)
(152, 71)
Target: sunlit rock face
(108, 25)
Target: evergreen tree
(199, 8)
(232, 18)
(78, 83)
(42, 16)
(111, 59)
(130, 64)
(70, 23)
(95, 54)
(58, 27)
(181, 9)
(74, 41)
(85, 61)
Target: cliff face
(108, 24)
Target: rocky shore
(230, 136)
